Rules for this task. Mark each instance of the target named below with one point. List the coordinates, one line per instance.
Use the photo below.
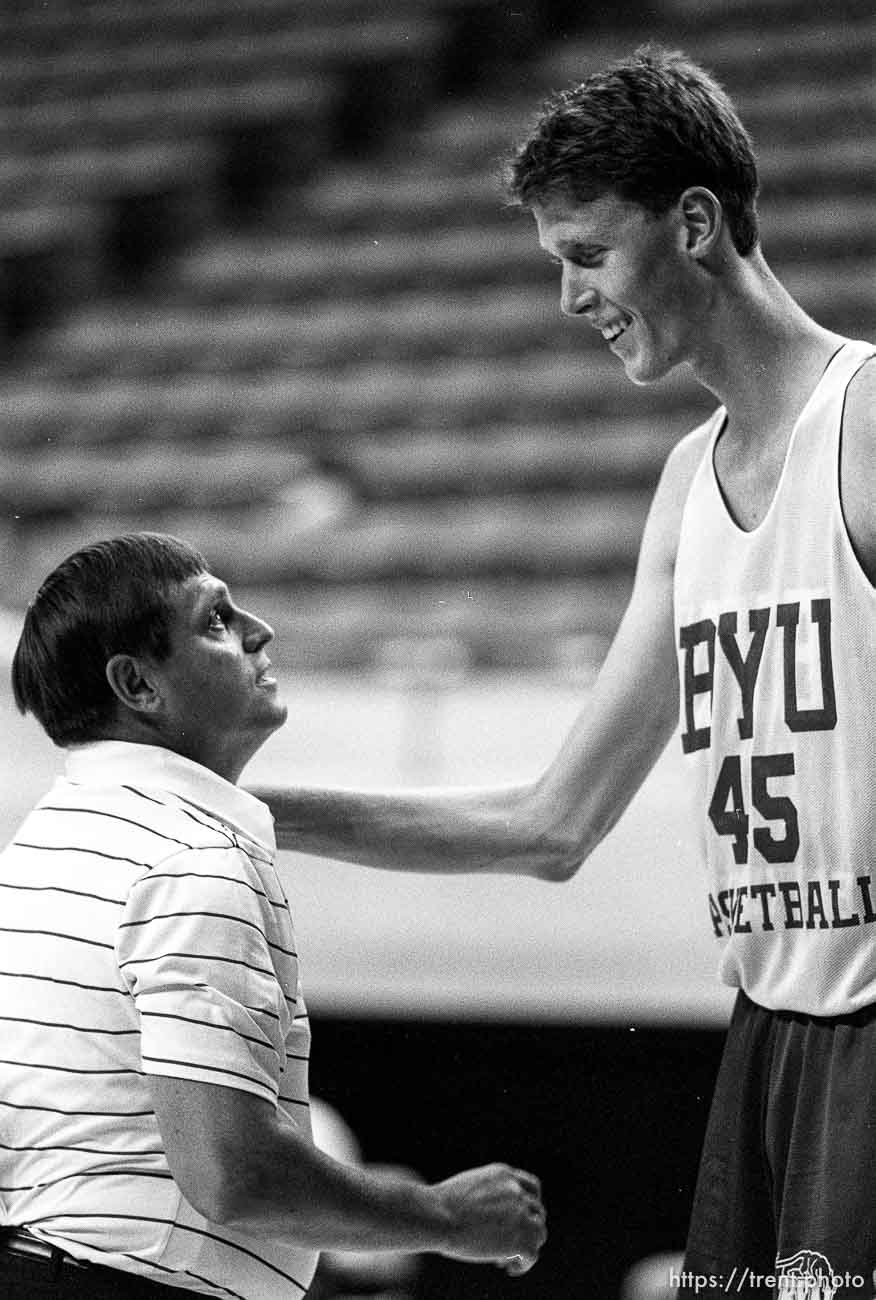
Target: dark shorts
(785, 1203)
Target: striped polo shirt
(143, 930)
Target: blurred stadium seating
(258, 287)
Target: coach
(154, 1121)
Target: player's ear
(703, 220)
(132, 682)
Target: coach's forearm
(290, 1189)
(492, 1214)
(244, 1164)
(500, 830)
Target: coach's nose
(257, 633)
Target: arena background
(258, 287)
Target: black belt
(102, 1281)
(17, 1241)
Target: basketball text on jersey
(755, 802)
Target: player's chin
(643, 373)
(645, 366)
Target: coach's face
(216, 701)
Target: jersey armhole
(867, 578)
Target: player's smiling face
(219, 699)
(626, 272)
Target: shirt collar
(122, 762)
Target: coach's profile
(153, 1086)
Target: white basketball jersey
(775, 636)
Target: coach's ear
(703, 219)
(132, 683)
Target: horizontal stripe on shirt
(129, 821)
(243, 884)
(78, 1029)
(61, 889)
(219, 916)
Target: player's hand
(496, 1216)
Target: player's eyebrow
(578, 248)
(571, 248)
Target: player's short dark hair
(108, 598)
(645, 128)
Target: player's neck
(764, 354)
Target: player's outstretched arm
(247, 1166)
(548, 826)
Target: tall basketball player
(754, 611)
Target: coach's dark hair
(646, 128)
(108, 598)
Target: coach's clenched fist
(495, 1214)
